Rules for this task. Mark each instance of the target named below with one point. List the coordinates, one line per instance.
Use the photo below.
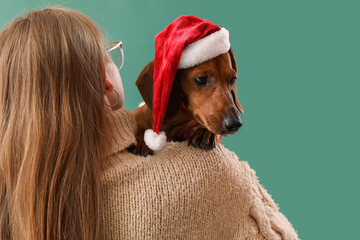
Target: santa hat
(186, 42)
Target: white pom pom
(153, 140)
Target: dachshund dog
(203, 104)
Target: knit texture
(182, 193)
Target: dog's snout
(232, 124)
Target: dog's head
(208, 92)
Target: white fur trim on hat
(153, 140)
(205, 49)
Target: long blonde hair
(51, 117)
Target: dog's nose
(232, 124)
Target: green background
(298, 82)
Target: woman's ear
(109, 86)
(113, 82)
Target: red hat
(186, 42)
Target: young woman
(64, 169)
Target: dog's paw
(140, 149)
(203, 138)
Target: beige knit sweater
(182, 193)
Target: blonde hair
(51, 117)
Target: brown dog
(202, 106)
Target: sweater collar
(120, 131)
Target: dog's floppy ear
(233, 92)
(145, 86)
(145, 83)
(176, 99)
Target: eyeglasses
(116, 52)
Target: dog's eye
(232, 81)
(202, 81)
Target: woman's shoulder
(176, 157)
(220, 155)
